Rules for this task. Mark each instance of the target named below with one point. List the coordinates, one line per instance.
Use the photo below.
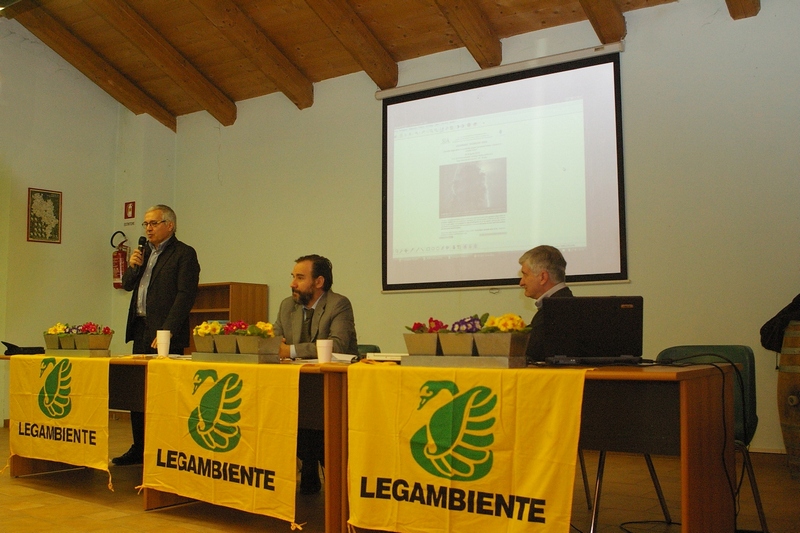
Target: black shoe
(131, 457)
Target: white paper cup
(324, 350)
(162, 342)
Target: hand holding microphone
(137, 257)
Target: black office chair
(364, 349)
(745, 419)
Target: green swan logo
(54, 400)
(213, 423)
(454, 444)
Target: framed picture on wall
(44, 216)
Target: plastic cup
(324, 350)
(162, 342)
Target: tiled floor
(79, 501)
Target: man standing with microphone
(163, 274)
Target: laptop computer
(592, 330)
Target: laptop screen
(592, 326)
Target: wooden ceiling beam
(472, 26)
(606, 18)
(85, 60)
(122, 17)
(243, 33)
(741, 9)
(358, 40)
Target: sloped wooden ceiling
(172, 57)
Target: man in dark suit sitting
(163, 278)
(542, 273)
(313, 312)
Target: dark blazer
(170, 295)
(333, 319)
(535, 351)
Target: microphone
(142, 242)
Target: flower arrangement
(425, 344)
(87, 336)
(258, 338)
(506, 336)
(54, 335)
(432, 326)
(207, 328)
(87, 328)
(508, 322)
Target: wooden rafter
(740, 9)
(170, 61)
(177, 56)
(243, 33)
(606, 18)
(94, 67)
(358, 40)
(472, 26)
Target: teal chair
(364, 349)
(744, 398)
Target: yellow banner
(463, 449)
(59, 409)
(224, 433)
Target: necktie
(305, 335)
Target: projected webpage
(490, 183)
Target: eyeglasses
(152, 224)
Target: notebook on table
(592, 330)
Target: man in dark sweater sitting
(542, 273)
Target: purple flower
(470, 324)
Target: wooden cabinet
(229, 301)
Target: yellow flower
(505, 323)
(207, 328)
(266, 328)
(57, 329)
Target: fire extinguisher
(119, 258)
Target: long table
(327, 384)
(685, 411)
(127, 385)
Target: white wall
(711, 121)
(57, 132)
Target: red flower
(432, 327)
(235, 328)
(435, 325)
(89, 327)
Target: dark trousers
(310, 450)
(141, 345)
